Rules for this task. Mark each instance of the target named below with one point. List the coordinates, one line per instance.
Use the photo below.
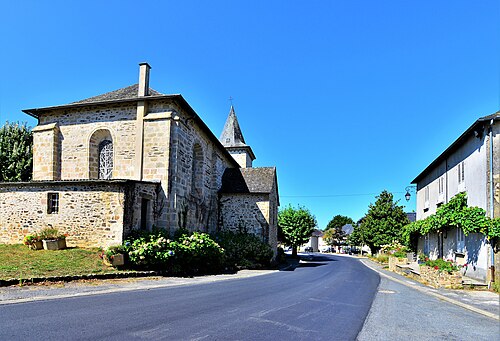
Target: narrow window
(53, 203)
(460, 240)
(461, 172)
(105, 159)
(441, 185)
(426, 198)
(144, 214)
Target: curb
(111, 275)
(431, 293)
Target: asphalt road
(326, 298)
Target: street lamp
(409, 189)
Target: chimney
(143, 79)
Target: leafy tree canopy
(16, 153)
(296, 225)
(333, 232)
(383, 222)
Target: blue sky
(345, 98)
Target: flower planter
(54, 244)
(38, 245)
(116, 260)
(438, 279)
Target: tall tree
(296, 225)
(384, 222)
(16, 152)
(333, 232)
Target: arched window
(105, 159)
(101, 155)
(197, 171)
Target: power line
(333, 195)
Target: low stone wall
(394, 261)
(438, 279)
(91, 212)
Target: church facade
(136, 159)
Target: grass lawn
(18, 261)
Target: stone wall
(77, 125)
(195, 175)
(46, 157)
(91, 212)
(245, 213)
(438, 279)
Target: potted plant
(113, 256)
(33, 241)
(52, 239)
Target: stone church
(136, 159)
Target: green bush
(381, 258)
(187, 255)
(244, 250)
(441, 265)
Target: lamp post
(408, 189)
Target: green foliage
(356, 237)
(454, 214)
(296, 225)
(442, 265)
(381, 258)
(244, 250)
(395, 249)
(383, 222)
(51, 233)
(16, 154)
(31, 239)
(187, 255)
(333, 232)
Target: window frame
(52, 203)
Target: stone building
(133, 159)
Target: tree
(296, 225)
(384, 222)
(333, 232)
(16, 153)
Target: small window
(461, 172)
(460, 240)
(426, 198)
(441, 185)
(53, 203)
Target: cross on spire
(231, 100)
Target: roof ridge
(128, 92)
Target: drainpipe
(492, 201)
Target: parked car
(327, 249)
(308, 249)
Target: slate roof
(231, 134)
(412, 216)
(248, 180)
(129, 92)
(458, 142)
(232, 137)
(348, 228)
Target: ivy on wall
(454, 214)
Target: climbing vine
(454, 214)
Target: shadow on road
(311, 260)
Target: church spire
(232, 139)
(231, 134)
